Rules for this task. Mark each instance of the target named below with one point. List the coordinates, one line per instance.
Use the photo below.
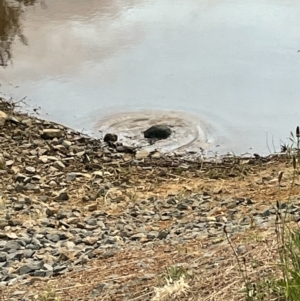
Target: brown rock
(141, 154)
(51, 133)
(3, 118)
(91, 207)
(90, 240)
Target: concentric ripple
(188, 132)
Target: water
(226, 71)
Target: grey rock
(9, 163)
(3, 223)
(61, 214)
(13, 281)
(30, 186)
(283, 205)
(102, 191)
(2, 256)
(62, 235)
(172, 201)
(36, 177)
(34, 247)
(90, 254)
(14, 222)
(30, 169)
(260, 221)
(249, 202)
(20, 177)
(18, 255)
(18, 206)
(108, 241)
(59, 268)
(63, 196)
(245, 220)
(40, 273)
(12, 245)
(2, 242)
(178, 230)
(48, 267)
(177, 214)
(43, 198)
(138, 236)
(71, 176)
(48, 223)
(125, 149)
(91, 221)
(18, 293)
(182, 206)
(19, 187)
(27, 122)
(241, 250)
(97, 290)
(189, 226)
(86, 198)
(59, 165)
(53, 237)
(35, 244)
(108, 254)
(162, 234)
(152, 235)
(124, 234)
(50, 211)
(26, 239)
(28, 268)
(268, 212)
(68, 244)
(28, 253)
(8, 277)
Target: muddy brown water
(223, 74)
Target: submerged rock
(160, 131)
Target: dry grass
(136, 274)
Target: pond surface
(225, 73)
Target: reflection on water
(10, 26)
(234, 65)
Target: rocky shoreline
(66, 199)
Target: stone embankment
(66, 198)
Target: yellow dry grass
(135, 273)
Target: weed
(48, 295)
(173, 282)
(293, 148)
(287, 288)
(174, 273)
